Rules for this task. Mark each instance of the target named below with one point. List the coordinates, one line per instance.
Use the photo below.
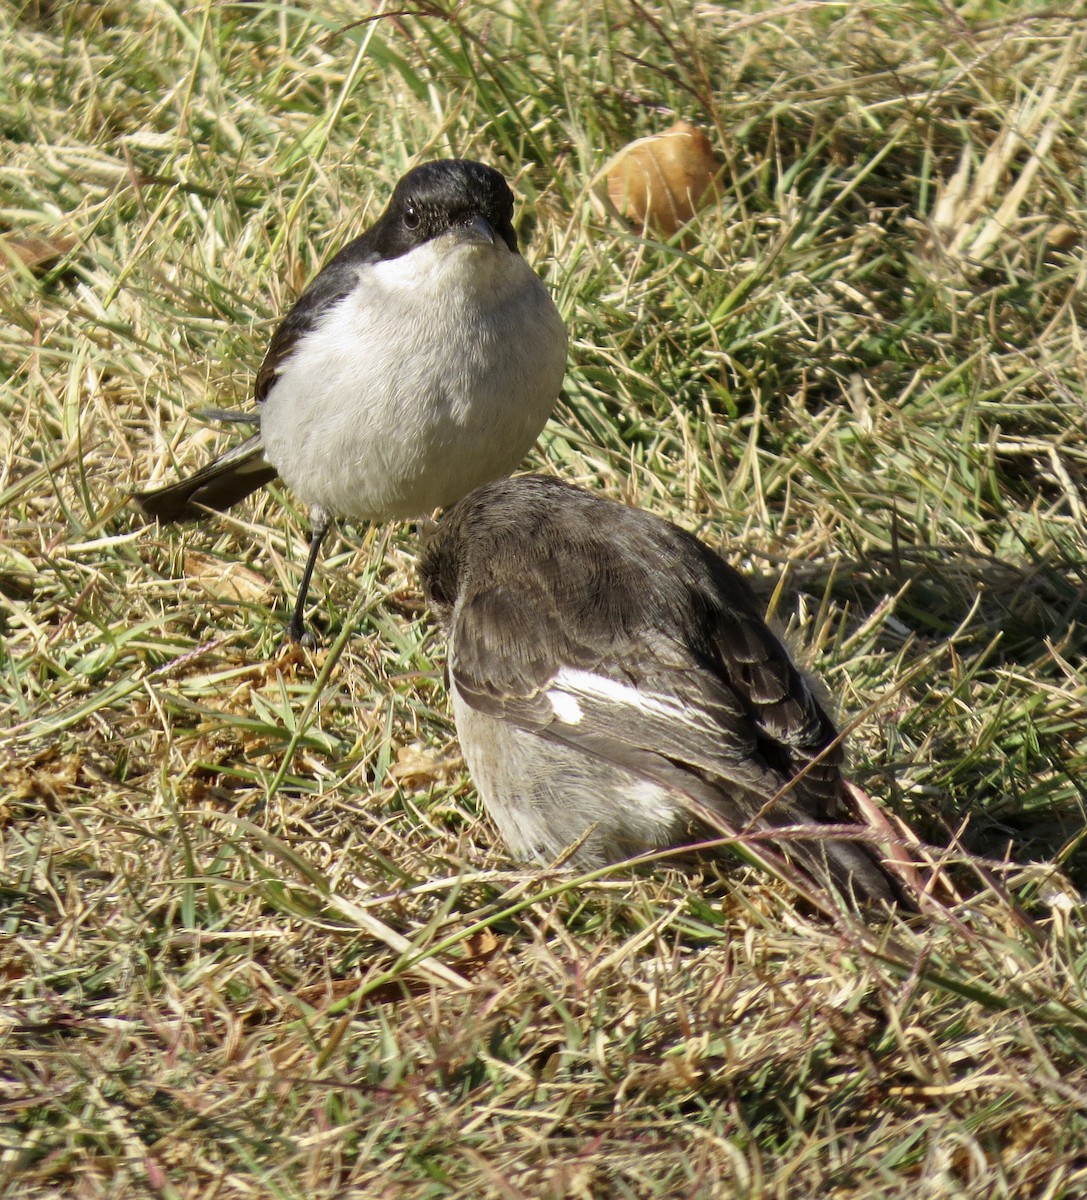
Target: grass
(257, 939)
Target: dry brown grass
(256, 938)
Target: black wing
(333, 284)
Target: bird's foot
(299, 636)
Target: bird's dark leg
(318, 529)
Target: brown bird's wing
(727, 735)
(641, 701)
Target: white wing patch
(570, 683)
(565, 707)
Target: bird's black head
(438, 196)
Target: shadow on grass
(1000, 713)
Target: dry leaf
(228, 581)
(36, 253)
(480, 948)
(1062, 236)
(419, 767)
(661, 181)
(47, 775)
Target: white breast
(436, 375)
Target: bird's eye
(411, 216)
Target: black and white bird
(612, 677)
(421, 362)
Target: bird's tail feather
(231, 416)
(854, 868)
(220, 484)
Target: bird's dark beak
(478, 229)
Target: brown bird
(612, 678)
